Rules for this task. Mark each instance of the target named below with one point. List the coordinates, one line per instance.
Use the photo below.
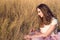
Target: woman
(48, 25)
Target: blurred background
(18, 16)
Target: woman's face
(39, 12)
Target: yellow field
(18, 16)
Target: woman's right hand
(26, 37)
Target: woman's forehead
(38, 9)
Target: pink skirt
(52, 37)
(48, 38)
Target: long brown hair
(47, 15)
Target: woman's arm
(50, 30)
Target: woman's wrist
(35, 36)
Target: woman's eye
(38, 11)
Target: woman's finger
(26, 36)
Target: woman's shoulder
(54, 21)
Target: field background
(18, 16)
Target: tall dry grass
(18, 16)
